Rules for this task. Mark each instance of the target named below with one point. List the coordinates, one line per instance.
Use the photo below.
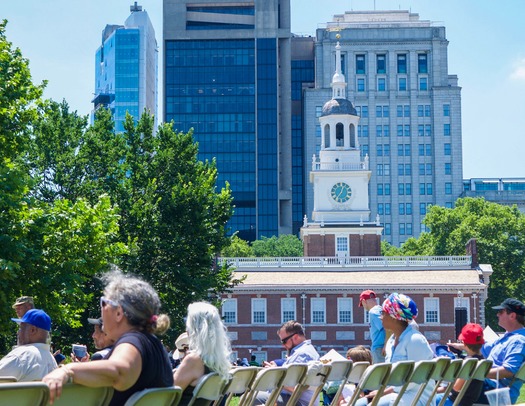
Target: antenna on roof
(135, 7)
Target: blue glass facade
(302, 72)
(226, 90)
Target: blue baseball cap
(37, 318)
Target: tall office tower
(126, 67)
(409, 107)
(227, 75)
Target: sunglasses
(104, 302)
(285, 339)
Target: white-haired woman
(209, 349)
(138, 359)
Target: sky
(486, 50)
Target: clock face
(341, 192)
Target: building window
(387, 169)
(421, 169)
(421, 188)
(229, 311)
(402, 84)
(380, 189)
(381, 84)
(428, 149)
(386, 149)
(379, 169)
(287, 309)
(428, 168)
(420, 110)
(427, 110)
(388, 229)
(380, 209)
(364, 111)
(387, 189)
(386, 111)
(379, 130)
(379, 150)
(448, 168)
(409, 228)
(388, 209)
(406, 130)
(400, 189)
(422, 66)
(318, 111)
(341, 246)
(448, 205)
(431, 310)
(318, 305)
(360, 85)
(400, 130)
(360, 67)
(381, 63)
(408, 209)
(446, 110)
(400, 169)
(401, 208)
(429, 188)
(422, 208)
(401, 229)
(446, 129)
(402, 63)
(258, 311)
(428, 130)
(344, 310)
(408, 189)
(421, 130)
(386, 131)
(448, 188)
(446, 149)
(421, 149)
(423, 84)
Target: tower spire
(338, 80)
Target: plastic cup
(498, 397)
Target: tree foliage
(500, 234)
(283, 246)
(237, 248)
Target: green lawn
(521, 398)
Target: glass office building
(227, 77)
(126, 68)
(396, 67)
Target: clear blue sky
(486, 50)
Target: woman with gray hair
(138, 359)
(209, 349)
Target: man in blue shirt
(508, 352)
(300, 351)
(367, 299)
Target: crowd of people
(130, 357)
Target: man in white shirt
(31, 360)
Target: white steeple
(338, 80)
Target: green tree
(283, 246)
(237, 248)
(500, 234)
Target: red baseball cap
(471, 333)
(365, 295)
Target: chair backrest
(314, 380)
(241, 380)
(441, 366)
(420, 376)
(268, 380)
(24, 393)
(374, 378)
(79, 395)
(156, 396)
(8, 379)
(339, 373)
(358, 369)
(479, 373)
(520, 375)
(209, 389)
(465, 370)
(295, 374)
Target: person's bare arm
(500, 373)
(189, 371)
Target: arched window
(352, 136)
(340, 135)
(327, 136)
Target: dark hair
(292, 327)
(476, 348)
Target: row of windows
(405, 189)
(403, 130)
(383, 111)
(318, 307)
(402, 84)
(382, 63)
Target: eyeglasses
(104, 301)
(285, 339)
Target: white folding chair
(374, 378)
(4, 379)
(155, 396)
(240, 382)
(358, 369)
(314, 380)
(339, 373)
(467, 368)
(419, 376)
(209, 389)
(24, 393)
(520, 375)
(480, 373)
(399, 375)
(441, 366)
(267, 380)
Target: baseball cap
(471, 333)
(365, 295)
(96, 322)
(513, 305)
(37, 318)
(22, 300)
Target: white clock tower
(340, 179)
